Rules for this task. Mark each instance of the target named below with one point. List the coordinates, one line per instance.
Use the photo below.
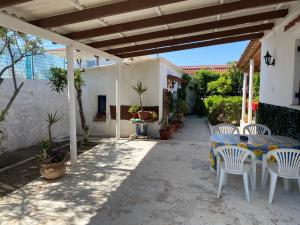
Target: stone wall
(281, 120)
(25, 122)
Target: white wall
(101, 81)
(25, 122)
(280, 82)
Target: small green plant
(47, 155)
(134, 109)
(164, 124)
(140, 90)
(223, 109)
(52, 119)
(181, 106)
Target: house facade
(99, 96)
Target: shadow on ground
(146, 182)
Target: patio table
(259, 144)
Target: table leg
(263, 171)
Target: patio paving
(147, 182)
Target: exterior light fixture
(268, 59)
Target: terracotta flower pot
(143, 115)
(135, 115)
(178, 125)
(173, 128)
(53, 171)
(165, 134)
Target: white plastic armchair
(225, 128)
(287, 166)
(256, 129)
(234, 163)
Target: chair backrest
(256, 129)
(288, 161)
(225, 128)
(234, 157)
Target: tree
(198, 86)
(236, 76)
(58, 81)
(222, 86)
(16, 45)
(140, 90)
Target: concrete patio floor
(147, 182)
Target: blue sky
(218, 54)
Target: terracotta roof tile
(193, 69)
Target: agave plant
(52, 119)
(140, 90)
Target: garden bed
(23, 174)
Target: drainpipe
(244, 100)
(250, 91)
(118, 107)
(71, 101)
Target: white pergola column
(118, 103)
(244, 100)
(72, 108)
(251, 72)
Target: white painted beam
(27, 28)
(118, 103)
(72, 107)
(250, 100)
(244, 99)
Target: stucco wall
(25, 122)
(101, 81)
(280, 82)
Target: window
(101, 108)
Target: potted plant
(181, 109)
(172, 124)
(134, 111)
(164, 132)
(52, 160)
(140, 90)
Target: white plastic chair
(256, 129)
(225, 128)
(233, 163)
(287, 166)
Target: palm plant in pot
(164, 132)
(140, 90)
(52, 160)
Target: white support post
(244, 100)
(72, 108)
(118, 106)
(251, 73)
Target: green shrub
(223, 109)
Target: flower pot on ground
(178, 125)
(52, 161)
(164, 132)
(173, 128)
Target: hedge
(223, 109)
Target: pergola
(119, 29)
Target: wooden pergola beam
(98, 12)
(7, 3)
(193, 45)
(173, 18)
(195, 38)
(192, 29)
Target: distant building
(193, 69)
